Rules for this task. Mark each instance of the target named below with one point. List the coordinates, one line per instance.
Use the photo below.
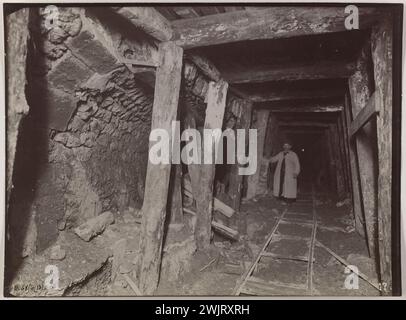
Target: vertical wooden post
(332, 163)
(164, 110)
(216, 103)
(355, 179)
(360, 84)
(382, 37)
(175, 201)
(243, 122)
(260, 125)
(17, 107)
(339, 172)
(345, 152)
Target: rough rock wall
(84, 144)
(83, 147)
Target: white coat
(292, 170)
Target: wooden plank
(189, 211)
(175, 200)
(216, 102)
(205, 66)
(338, 161)
(355, 179)
(346, 263)
(311, 249)
(360, 88)
(223, 208)
(265, 24)
(344, 152)
(17, 107)
(164, 111)
(303, 123)
(132, 285)
(217, 204)
(261, 125)
(382, 48)
(211, 71)
(314, 108)
(227, 231)
(149, 20)
(364, 115)
(236, 180)
(289, 93)
(317, 70)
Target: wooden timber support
(148, 20)
(317, 70)
(17, 107)
(344, 152)
(290, 107)
(216, 103)
(382, 48)
(164, 111)
(338, 161)
(237, 180)
(175, 201)
(360, 84)
(332, 162)
(211, 72)
(261, 126)
(355, 178)
(364, 115)
(264, 24)
(286, 93)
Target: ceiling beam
(305, 108)
(291, 93)
(149, 20)
(318, 70)
(302, 124)
(303, 131)
(270, 23)
(211, 71)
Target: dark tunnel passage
(85, 193)
(320, 147)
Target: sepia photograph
(202, 150)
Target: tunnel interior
(86, 197)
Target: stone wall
(83, 147)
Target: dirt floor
(86, 268)
(335, 230)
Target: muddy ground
(87, 267)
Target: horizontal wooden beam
(291, 93)
(270, 23)
(302, 124)
(149, 20)
(211, 72)
(303, 130)
(205, 66)
(315, 108)
(364, 115)
(319, 70)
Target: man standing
(285, 177)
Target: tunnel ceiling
(297, 68)
(306, 76)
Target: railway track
(291, 240)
